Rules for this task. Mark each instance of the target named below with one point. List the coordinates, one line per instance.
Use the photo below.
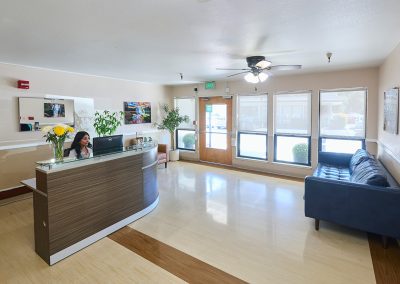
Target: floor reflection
(253, 227)
(216, 188)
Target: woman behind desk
(81, 147)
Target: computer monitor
(107, 144)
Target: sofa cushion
(369, 172)
(332, 172)
(359, 156)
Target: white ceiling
(154, 41)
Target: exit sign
(209, 85)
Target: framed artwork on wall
(137, 112)
(391, 111)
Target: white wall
(389, 144)
(367, 77)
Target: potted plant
(106, 123)
(189, 140)
(170, 122)
(300, 153)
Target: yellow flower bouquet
(57, 135)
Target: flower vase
(58, 148)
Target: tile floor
(250, 226)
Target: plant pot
(174, 155)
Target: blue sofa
(355, 191)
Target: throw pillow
(369, 172)
(359, 156)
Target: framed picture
(137, 112)
(54, 110)
(391, 111)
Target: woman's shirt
(84, 154)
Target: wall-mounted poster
(391, 111)
(54, 110)
(137, 112)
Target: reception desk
(79, 202)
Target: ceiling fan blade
(283, 67)
(238, 73)
(233, 69)
(260, 44)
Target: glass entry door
(215, 130)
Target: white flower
(47, 129)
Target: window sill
(274, 163)
(251, 159)
(292, 165)
(187, 151)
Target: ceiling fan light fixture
(262, 77)
(251, 78)
(263, 64)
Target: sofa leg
(165, 164)
(385, 242)
(317, 224)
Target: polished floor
(249, 226)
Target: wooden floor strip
(182, 265)
(12, 192)
(386, 262)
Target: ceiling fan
(257, 65)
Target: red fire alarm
(23, 84)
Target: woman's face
(85, 140)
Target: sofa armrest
(368, 208)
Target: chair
(162, 154)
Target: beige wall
(108, 93)
(328, 80)
(389, 144)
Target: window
(252, 126)
(216, 122)
(292, 125)
(342, 120)
(186, 133)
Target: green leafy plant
(189, 140)
(171, 121)
(300, 153)
(106, 123)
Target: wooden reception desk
(77, 203)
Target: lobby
(222, 217)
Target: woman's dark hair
(76, 143)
